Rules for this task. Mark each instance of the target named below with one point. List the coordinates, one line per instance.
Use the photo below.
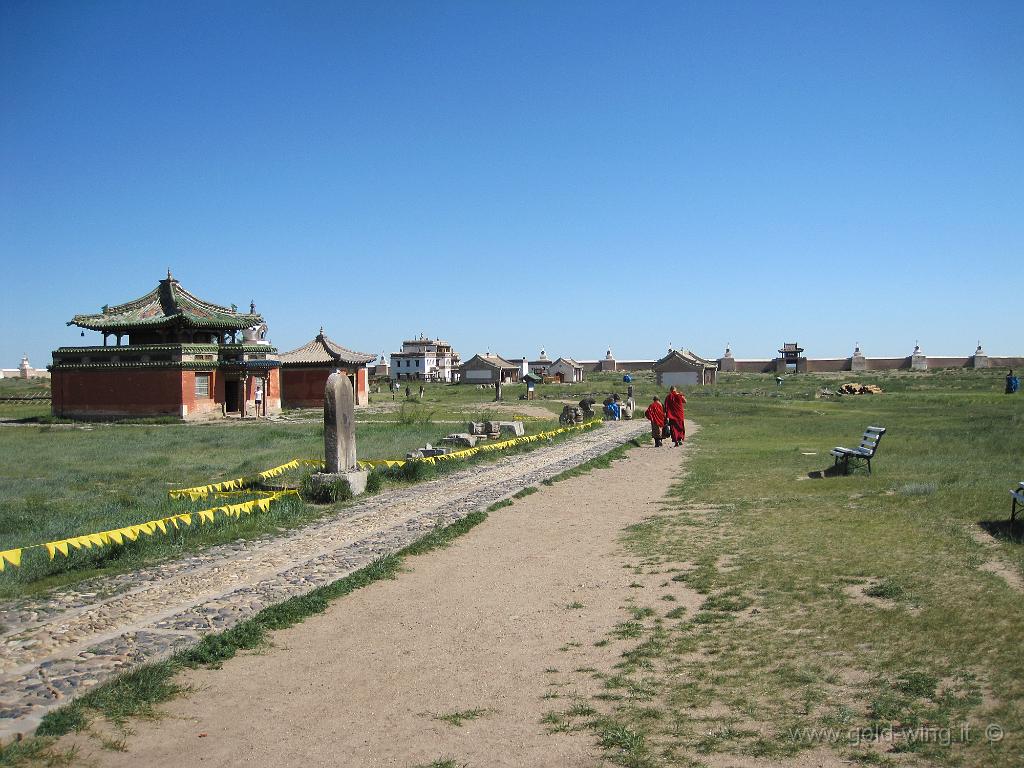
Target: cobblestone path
(54, 649)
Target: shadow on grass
(1004, 530)
(821, 474)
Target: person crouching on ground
(656, 415)
(675, 414)
(611, 408)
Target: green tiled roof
(167, 304)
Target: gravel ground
(56, 648)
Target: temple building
(304, 372)
(490, 369)
(680, 367)
(168, 353)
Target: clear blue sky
(511, 175)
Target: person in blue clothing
(612, 408)
(1012, 383)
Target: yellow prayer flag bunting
(148, 528)
(239, 483)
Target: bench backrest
(1018, 492)
(872, 437)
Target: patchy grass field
(864, 615)
(776, 613)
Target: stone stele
(340, 435)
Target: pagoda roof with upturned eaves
(166, 305)
(324, 350)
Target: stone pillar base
(356, 480)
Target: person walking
(656, 415)
(675, 415)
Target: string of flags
(242, 486)
(149, 528)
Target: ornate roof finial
(321, 331)
(252, 307)
(169, 275)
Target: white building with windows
(426, 360)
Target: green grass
(24, 411)
(779, 552)
(36, 752)
(459, 717)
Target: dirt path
(483, 625)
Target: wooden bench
(863, 453)
(1017, 494)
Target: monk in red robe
(675, 414)
(656, 415)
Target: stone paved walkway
(54, 649)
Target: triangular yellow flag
(99, 539)
(129, 533)
(186, 518)
(12, 556)
(205, 515)
(115, 536)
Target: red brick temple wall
(124, 392)
(304, 387)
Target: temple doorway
(232, 392)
